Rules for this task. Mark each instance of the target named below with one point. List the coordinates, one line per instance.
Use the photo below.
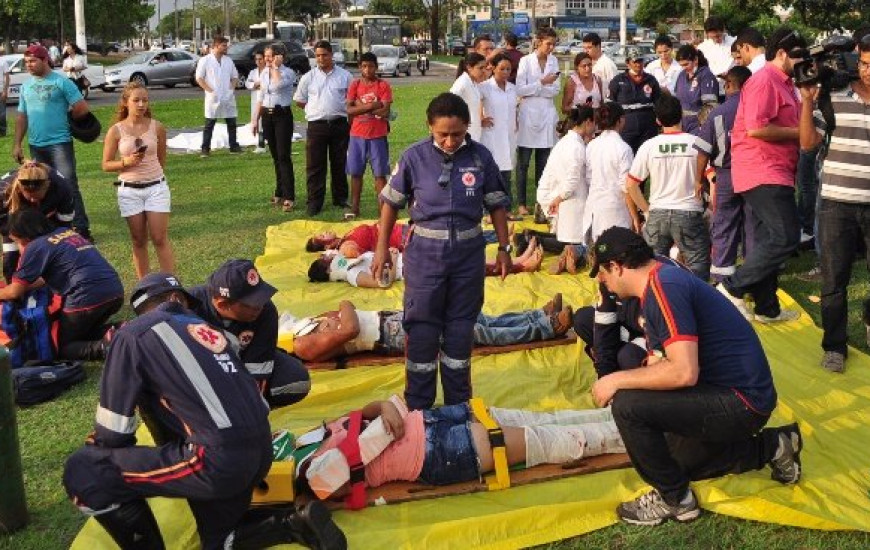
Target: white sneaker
(739, 303)
(784, 315)
(260, 150)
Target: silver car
(167, 67)
(392, 60)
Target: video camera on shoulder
(832, 63)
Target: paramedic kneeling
(697, 408)
(186, 376)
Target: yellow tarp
(833, 411)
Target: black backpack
(37, 382)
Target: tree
(649, 13)
(739, 14)
(826, 15)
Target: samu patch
(211, 339)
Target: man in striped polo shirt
(844, 212)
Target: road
(438, 73)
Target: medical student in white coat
(253, 83)
(564, 187)
(499, 121)
(470, 73)
(216, 74)
(537, 85)
(610, 160)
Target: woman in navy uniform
(636, 90)
(448, 180)
(696, 85)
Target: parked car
(168, 67)
(392, 60)
(242, 54)
(617, 54)
(458, 47)
(18, 75)
(117, 47)
(564, 48)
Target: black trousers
(80, 334)
(208, 130)
(673, 437)
(278, 131)
(326, 138)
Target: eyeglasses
(32, 183)
(446, 171)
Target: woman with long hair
(608, 170)
(582, 87)
(470, 72)
(74, 63)
(564, 187)
(696, 85)
(135, 147)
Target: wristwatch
(506, 248)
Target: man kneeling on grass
(349, 330)
(697, 408)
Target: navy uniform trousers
(730, 226)
(217, 481)
(443, 297)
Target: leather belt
(444, 234)
(328, 120)
(276, 110)
(139, 184)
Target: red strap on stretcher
(356, 500)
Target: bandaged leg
(519, 418)
(551, 444)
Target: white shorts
(150, 199)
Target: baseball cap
(240, 280)
(157, 284)
(37, 50)
(614, 244)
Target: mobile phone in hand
(142, 149)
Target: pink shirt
(767, 98)
(402, 460)
(147, 170)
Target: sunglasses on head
(32, 183)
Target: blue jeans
(450, 454)
(842, 225)
(807, 181)
(686, 229)
(524, 157)
(62, 157)
(512, 328)
(777, 234)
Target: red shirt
(366, 237)
(367, 125)
(768, 97)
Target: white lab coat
(606, 69)
(501, 137)
(256, 95)
(221, 103)
(609, 162)
(468, 90)
(537, 114)
(565, 176)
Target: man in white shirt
(717, 49)
(674, 213)
(216, 74)
(253, 83)
(750, 45)
(322, 92)
(4, 71)
(604, 67)
(665, 69)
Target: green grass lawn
(221, 210)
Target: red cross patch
(245, 338)
(211, 339)
(253, 277)
(468, 179)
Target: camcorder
(832, 63)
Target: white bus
(284, 30)
(356, 34)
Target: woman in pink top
(135, 147)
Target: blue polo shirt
(46, 102)
(71, 267)
(677, 306)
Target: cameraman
(844, 210)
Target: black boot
(262, 528)
(314, 523)
(310, 525)
(133, 526)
